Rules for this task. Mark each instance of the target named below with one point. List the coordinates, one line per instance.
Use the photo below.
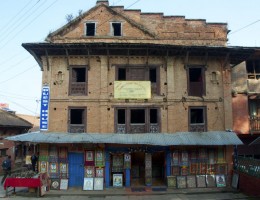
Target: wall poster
(43, 166)
(118, 180)
(89, 171)
(88, 184)
(64, 184)
(98, 183)
(220, 180)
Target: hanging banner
(44, 115)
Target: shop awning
(160, 139)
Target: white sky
(25, 21)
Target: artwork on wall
(99, 158)
(55, 184)
(220, 180)
(184, 158)
(64, 184)
(175, 158)
(127, 161)
(172, 181)
(191, 181)
(210, 180)
(201, 182)
(63, 152)
(117, 180)
(88, 184)
(89, 156)
(43, 166)
(181, 182)
(63, 170)
(99, 172)
(53, 168)
(89, 171)
(98, 183)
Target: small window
(116, 29)
(77, 120)
(137, 116)
(78, 80)
(90, 29)
(253, 69)
(197, 119)
(121, 116)
(196, 76)
(122, 74)
(153, 116)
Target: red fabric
(22, 182)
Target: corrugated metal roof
(161, 139)
(11, 120)
(255, 142)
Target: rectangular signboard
(44, 115)
(132, 89)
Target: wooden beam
(67, 59)
(47, 59)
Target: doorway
(138, 169)
(158, 168)
(76, 169)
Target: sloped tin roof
(11, 120)
(160, 139)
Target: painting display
(201, 182)
(64, 184)
(172, 181)
(63, 170)
(98, 183)
(88, 184)
(235, 178)
(118, 180)
(127, 161)
(220, 180)
(181, 182)
(99, 172)
(210, 180)
(90, 171)
(99, 158)
(191, 181)
(43, 166)
(89, 156)
(55, 184)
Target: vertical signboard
(44, 108)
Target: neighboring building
(11, 125)
(246, 104)
(138, 95)
(34, 120)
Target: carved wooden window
(78, 80)
(137, 120)
(140, 73)
(90, 29)
(197, 119)
(77, 119)
(196, 81)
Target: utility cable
(232, 32)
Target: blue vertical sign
(44, 116)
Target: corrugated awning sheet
(160, 139)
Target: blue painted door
(76, 169)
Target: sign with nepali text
(132, 89)
(44, 115)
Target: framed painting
(191, 181)
(43, 166)
(181, 182)
(172, 181)
(63, 152)
(210, 180)
(53, 168)
(63, 170)
(98, 183)
(201, 181)
(64, 184)
(99, 155)
(175, 158)
(99, 172)
(55, 184)
(117, 180)
(220, 180)
(88, 184)
(90, 171)
(89, 156)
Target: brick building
(136, 99)
(246, 104)
(11, 125)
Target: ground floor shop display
(95, 167)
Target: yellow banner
(132, 89)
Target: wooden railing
(255, 123)
(77, 128)
(138, 128)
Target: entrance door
(137, 169)
(76, 169)
(158, 171)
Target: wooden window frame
(128, 118)
(86, 28)
(204, 109)
(71, 82)
(202, 82)
(83, 120)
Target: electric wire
(232, 32)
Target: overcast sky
(25, 21)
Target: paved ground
(127, 194)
